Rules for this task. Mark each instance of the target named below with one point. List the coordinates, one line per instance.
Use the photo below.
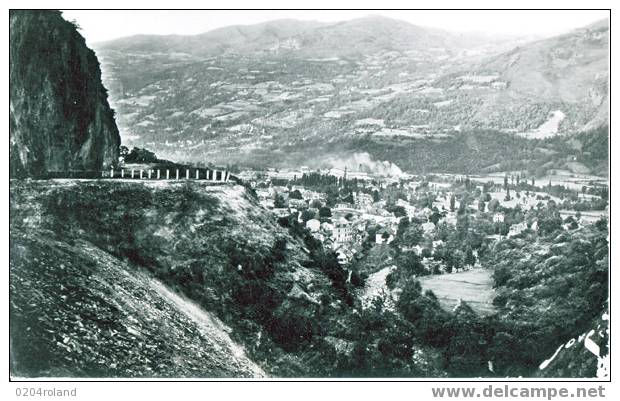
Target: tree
(462, 226)
(399, 211)
(462, 206)
(348, 198)
(435, 217)
(412, 235)
(325, 212)
(482, 227)
(327, 262)
(549, 223)
(316, 204)
(403, 225)
(295, 194)
(412, 290)
(465, 353)
(291, 327)
(454, 259)
(493, 205)
(138, 155)
(503, 228)
(279, 202)
(278, 250)
(470, 259)
(426, 253)
(409, 265)
(307, 215)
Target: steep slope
(59, 117)
(98, 271)
(568, 73)
(78, 311)
(551, 289)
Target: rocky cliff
(60, 119)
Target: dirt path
(375, 286)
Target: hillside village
(351, 212)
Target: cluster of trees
(584, 205)
(318, 180)
(458, 242)
(137, 155)
(383, 344)
(549, 290)
(416, 338)
(589, 148)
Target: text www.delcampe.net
(506, 391)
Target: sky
(102, 25)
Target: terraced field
(474, 287)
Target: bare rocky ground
(78, 311)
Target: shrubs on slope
(549, 289)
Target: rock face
(584, 356)
(60, 119)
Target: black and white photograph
(345, 195)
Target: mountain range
(292, 92)
(309, 38)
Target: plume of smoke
(363, 162)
